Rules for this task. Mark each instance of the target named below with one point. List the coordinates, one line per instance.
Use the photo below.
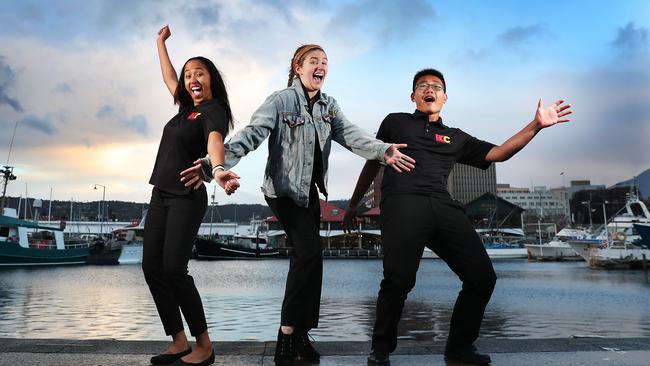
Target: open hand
(398, 161)
(192, 176)
(555, 113)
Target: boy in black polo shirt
(417, 211)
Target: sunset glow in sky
(83, 82)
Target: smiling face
(429, 96)
(196, 79)
(312, 71)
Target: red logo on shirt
(443, 139)
(193, 116)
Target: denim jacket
(293, 131)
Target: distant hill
(129, 211)
(642, 180)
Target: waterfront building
(583, 185)
(467, 183)
(540, 200)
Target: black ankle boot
(284, 350)
(467, 355)
(304, 349)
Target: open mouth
(429, 99)
(318, 77)
(197, 89)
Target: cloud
(384, 20)
(106, 111)
(631, 40)
(516, 39)
(63, 88)
(519, 36)
(137, 123)
(44, 125)
(7, 79)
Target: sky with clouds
(83, 82)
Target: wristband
(216, 168)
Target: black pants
(408, 224)
(301, 304)
(169, 231)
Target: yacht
(558, 248)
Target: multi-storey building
(540, 200)
(467, 183)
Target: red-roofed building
(331, 228)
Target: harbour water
(242, 301)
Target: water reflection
(243, 298)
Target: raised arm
(168, 73)
(544, 117)
(366, 177)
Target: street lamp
(100, 208)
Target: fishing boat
(558, 248)
(26, 243)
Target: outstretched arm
(168, 73)
(544, 117)
(366, 177)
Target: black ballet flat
(169, 358)
(207, 362)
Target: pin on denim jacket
(293, 132)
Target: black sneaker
(284, 350)
(378, 358)
(468, 356)
(304, 348)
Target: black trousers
(301, 304)
(408, 224)
(169, 231)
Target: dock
(504, 352)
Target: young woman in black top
(175, 212)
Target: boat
(502, 250)
(252, 243)
(558, 248)
(496, 248)
(644, 232)
(615, 245)
(26, 243)
(131, 241)
(238, 248)
(104, 252)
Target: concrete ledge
(571, 351)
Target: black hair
(183, 98)
(432, 72)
